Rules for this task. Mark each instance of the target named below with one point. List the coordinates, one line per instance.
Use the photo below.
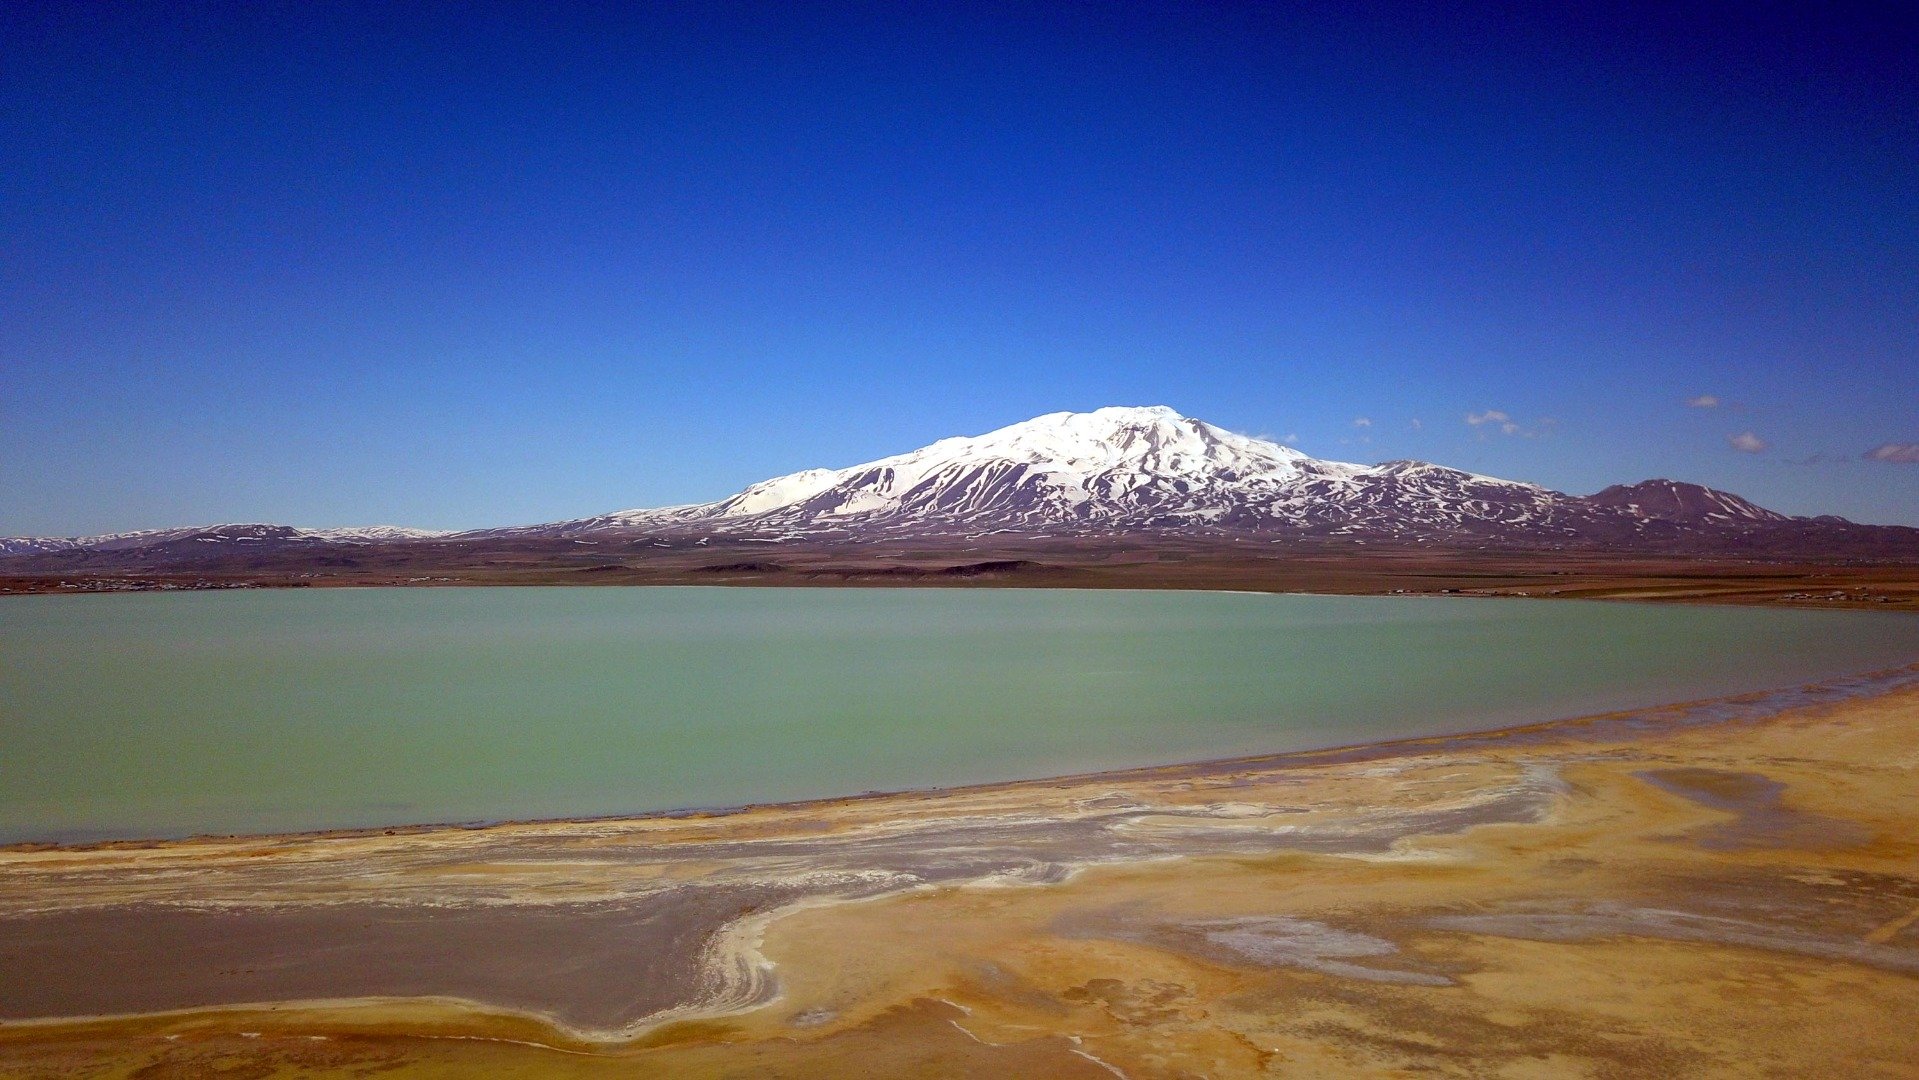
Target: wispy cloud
(1416, 424)
(1291, 439)
(1492, 417)
(1703, 401)
(1495, 420)
(1898, 453)
(1746, 443)
(1362, 421)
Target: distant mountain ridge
(1117, 470)
(1111, 469)
(1671, 500)
(1123, 470)
(212, 534)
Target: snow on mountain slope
(1093, 474)
(211, 534)
(1671, 500)
(1106, 469)
(371, 533)
(33, 545)
(1062, 467)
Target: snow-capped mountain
(1113, 469)
(1112, 472)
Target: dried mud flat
(1724, 889)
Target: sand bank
(1630, 895)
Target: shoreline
(792, 863)
(1836, 600)
(1750, 705)
(1820, 580)
(344, 818)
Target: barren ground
(1728, 889)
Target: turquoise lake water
(142, 715)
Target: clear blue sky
(460, 265)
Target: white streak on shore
(1107, 1065)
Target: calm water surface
(169, 714)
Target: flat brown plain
(1887, 580)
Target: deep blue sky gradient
(461, 265)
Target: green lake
(145, 715)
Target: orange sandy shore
(1652, 896)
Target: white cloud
(1362, 421)
(1291, 439)
(1746, 443)
(1703, 401)
(1416, 424)
(1503, 423)
(1898, 453)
